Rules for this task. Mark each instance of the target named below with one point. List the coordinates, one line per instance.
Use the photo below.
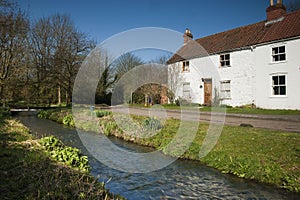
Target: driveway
(288, 123)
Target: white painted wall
(240, 74)
(264, 70)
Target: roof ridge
(245, 36)
(263, 21)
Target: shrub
(225, 106)
(69, 155)
(182, 102)
(152, 123)
(68, 120)
(102, 113)
(109, 127)
(44, 114)
(51, 143)
(4, 113)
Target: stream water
(181, 180)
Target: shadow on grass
(26, 172)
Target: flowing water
(181, 180)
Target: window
(185, 66)
(225, 60)
(279, 85)
(186, 90)
(225, 90)
(278, 54)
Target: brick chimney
(187, 36)
(275, 11)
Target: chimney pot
(187, 36)
(275, 11)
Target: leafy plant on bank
(54, 114)
(44, 114)
(69, 155)
(68, 120)
(109, 127)
(152, 123)
(102, 113)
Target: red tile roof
(242, 37)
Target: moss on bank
(266, 156)
(27, 172)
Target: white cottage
(257, 64)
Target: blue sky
(102, 19)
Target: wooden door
(207, 92)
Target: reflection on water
(180, 180)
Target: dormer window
(278, 54)
(185, 66)
(225, 60)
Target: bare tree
(119, 68)
(125, 63)
(14, 27)
(42, 48)
(174, 80)
(154, 92)
(58, 50)
(71, 47)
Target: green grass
(27, 172)
(266, 156)
(262, 111)
(239, 110)
(263, 155)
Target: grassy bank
(234, 110)
(28, 169)
(266, 156)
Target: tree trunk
(146, 100)
(59, 95)
(68, 97)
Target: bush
(44, 114)
(68, 155)
(225, 106)
(182, 102)
(4, 112)
(109, 127)
(68, 120)
(152, 123)
(51, 143)
(102, 113)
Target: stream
(182, 179)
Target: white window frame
(278, 54)
(185, 66)
(225, 89)
(226, 61)
(186, 90)
(279, 85)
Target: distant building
(258, 64)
